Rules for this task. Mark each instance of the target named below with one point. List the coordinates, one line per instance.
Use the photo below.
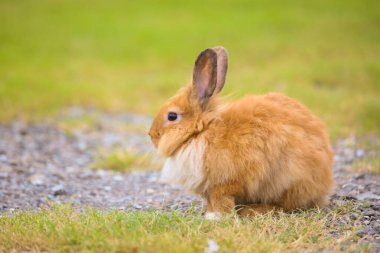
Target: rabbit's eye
(172, 116)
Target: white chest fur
(185, 168)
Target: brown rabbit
(260, 153)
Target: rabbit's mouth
(171, 141)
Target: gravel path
(40, 163)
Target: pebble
(367, 195)
(101, 173)
(118, 178)
(82, 145)
(212, 246)
(358, 176)
(353, 216)
(75, 112)
(3, 158)
(371, 212)
(376, 225)
(359, 153)
(58, 190)
(3, 174)
(362, 232)
(150, 190)
(37, 179)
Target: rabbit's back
(275, 148)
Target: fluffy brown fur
(257, 154)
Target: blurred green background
(132, 55)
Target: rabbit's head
(191, 110)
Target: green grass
(83, 123)
(62, 229)
(132, 55)
(125, 160)
(369, 161)
(367, 165)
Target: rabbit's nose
(154, 138)
(151, 133)
(154, 135)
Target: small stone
(87, 174)
(150, 190)
(109, 139)
(212, 246)
(82, 145)
(353, 216)
(107, 188)
(153, 179)
(101, 173)
(6, 168)
(37, 179)
(353, 193)
(371, 231)
(348, 186)
(81, 161)
(367, 195)
(23, 131)
(118, 178)
(3, 174)
(58, 190)
(361, 232)
(359, 153)
(369, 212)
(137, 206)
(76, 196)
(3, 158)
(376, 207)
(376, 226)
(359, 176)
(75, 112)
(51, 197)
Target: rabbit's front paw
(213, 216)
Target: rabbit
(258, 154)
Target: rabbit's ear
(205, 75)
(222, 65)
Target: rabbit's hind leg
(255, 209)
(303, 196)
